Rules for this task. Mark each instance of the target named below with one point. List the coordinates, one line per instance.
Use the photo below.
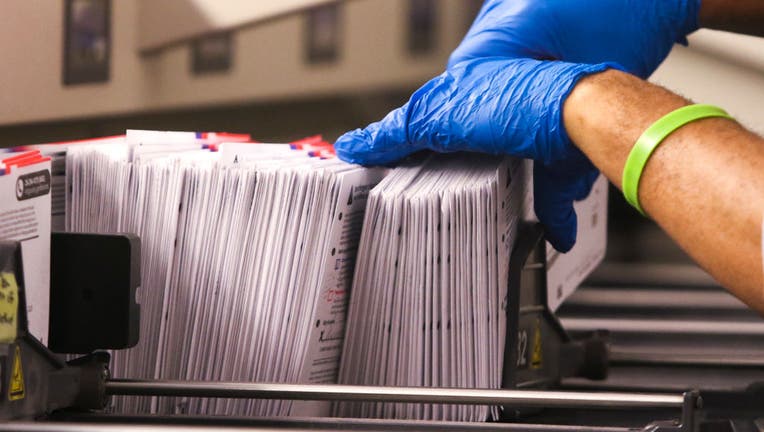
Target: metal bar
(694, 327)
(524, 398)
(86, 427)
(633, 358)
(665, 275)
(631, 298)
(336, 423)
(287, 425)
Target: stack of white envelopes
(247, 258)
(429, 294)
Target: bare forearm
(740, 16)
(704, 184)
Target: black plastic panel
(94, 279)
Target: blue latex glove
(469, 109)
(493, 105)
(637, 34)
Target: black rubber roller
(596, 357)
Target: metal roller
(519, 398)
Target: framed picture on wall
(212, 54)
(87, 41)
(323, 33)
(422, 26)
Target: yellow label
(9, 306)
(16, 390)
(537, 355)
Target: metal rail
(518, 398)
(644, 297)
(636, 358)
(302, 425)
(655, 275)
(87, 427)
(663, 326)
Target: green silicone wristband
(652, 138)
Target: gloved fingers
(381, 143)
(490, 42)
(440, 116)
(587, 183)
(637, 34)
(690, 11)
(576, 168)
(553, 201)
(492, 35)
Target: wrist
(564, 81)
(607, 112)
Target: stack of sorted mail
(429, 298)
(247, 257)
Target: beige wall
(722, 69)
(269, 64)
(168, 21)
(31, 43)
(373, 56)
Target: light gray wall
(31, 45)
(269, 65)
(168, 21)
(722, 69)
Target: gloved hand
(637, 34)
(487, 104)
(493, 105)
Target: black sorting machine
(561, 372)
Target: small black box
(93, 283)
